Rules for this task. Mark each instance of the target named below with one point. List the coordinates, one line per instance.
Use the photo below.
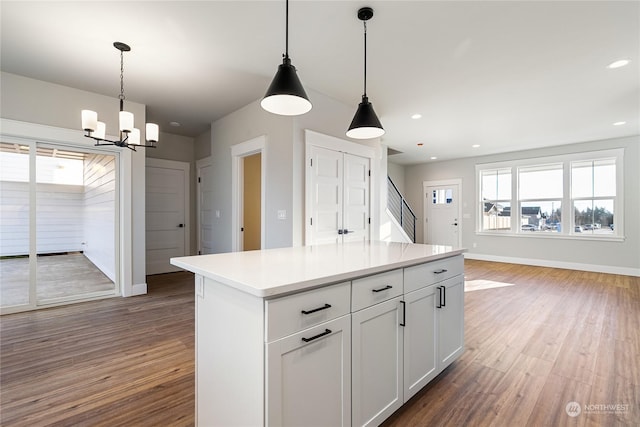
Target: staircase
(400, 210)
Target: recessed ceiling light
(619, 63)
(619, 123)
(416, 116)
(433, 157)
(175, 124)
(475, 146)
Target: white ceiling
(507, 75)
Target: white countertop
(274, 272)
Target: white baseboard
(625, 271)
(139, 289)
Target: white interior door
(167, 200)
(326, 216)
(205, 206)
(442, 214)
(340, 197)
(356, 198)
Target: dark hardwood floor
(537, 339)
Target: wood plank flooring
(536, 340)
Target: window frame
(567, 216)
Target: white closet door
(340, 186)
(356, 198)
(326, 210)
(165, 217)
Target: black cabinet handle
(439, 288)
(382, 289)
(316, 309)
(442, 270)
(444, 296)
(315, 337)
(404, 314)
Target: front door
(441, 212)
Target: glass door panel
(75, 224)
(14, 225)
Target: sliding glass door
(58, 242)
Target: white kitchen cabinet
(377, 362)
(308, 377)
(450, 312)
(312, 336)
(420, 357)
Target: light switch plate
(282, 214)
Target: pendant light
(285, 95)
(365, 123)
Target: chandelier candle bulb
(126, 121)
(152, 132)
(89, 120)
(100, 131)
(134, 137)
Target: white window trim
(567, 200)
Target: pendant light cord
(365, 57)
(286, 38)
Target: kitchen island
(323, 335)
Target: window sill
(543, 235)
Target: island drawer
(422, 275)
(371, 290)
(287, 315)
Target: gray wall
(202, 147)
(625, 254)
(285, 151)
(44, 103)
(396, 172)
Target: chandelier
(129, 135)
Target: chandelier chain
(121, 97)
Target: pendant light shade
(365, 123)
(285, 95)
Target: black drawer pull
(382, 289)
(442, 270)
(326, 332)
(316, 309)
(440, 305)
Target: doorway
(248, 160)
(442, 213)
(167, 211)
(251, 185)
(59, 226)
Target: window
(540, 198)
(593, 190)
(572, 195)
(496, 199)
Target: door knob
(180, 225)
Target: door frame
(31, 134)
(185, 167)
(342, 145)
(200, 164)
(238, 151)
(425, 185)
